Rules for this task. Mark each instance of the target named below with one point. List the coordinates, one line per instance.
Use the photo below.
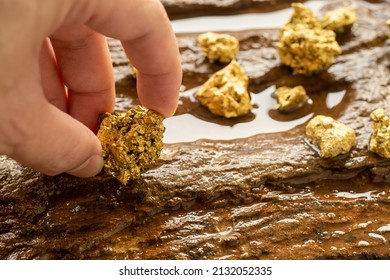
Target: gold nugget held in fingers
(226, 92)
(290, 99)
(380, 137)
(131, 142)
(218, 46)
(331, 136)
(304, 45)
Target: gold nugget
(131, 142)
(331, 136)
(290, 99)
(304, 45)
(339, 20)
(133, 72)
(221, 47)
(226, 92)
(380, 138)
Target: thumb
(40, 136)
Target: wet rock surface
(267, 196)
(187, 8)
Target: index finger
(150, 43)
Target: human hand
(53, 90)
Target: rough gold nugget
(131, 141)
(290, 99)
(226, 92)
(331, 136)
(339, 20)
(221, 47)
(304, 45)
(133, 72)
(380, 138)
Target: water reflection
(194, 125)
(367, 195)
(334, 98)
(239, 22)
(193, 121)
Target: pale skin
(56, 76)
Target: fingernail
(89, 168)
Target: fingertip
(169, 112)
(55, 143)
(89, 168)
(167, 108)
(160, 94)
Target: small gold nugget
(304, 45)
(131, 141)
(290, 99)
(226, 92)
(380, 138)
(221, 47)
(331, 136)
(133, 72)
(339, 20)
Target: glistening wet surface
(297, 215)
(193, 121)
(271, 19)
(199, 123)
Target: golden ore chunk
(131, 142)
(226, 92)
(220, 47)
(331, 136)
(380, 137)
(339, 20)
(133, 72)
(290, 99)
(304, 45)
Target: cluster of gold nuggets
(306, 44)
(132, 141)
(226, 92)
